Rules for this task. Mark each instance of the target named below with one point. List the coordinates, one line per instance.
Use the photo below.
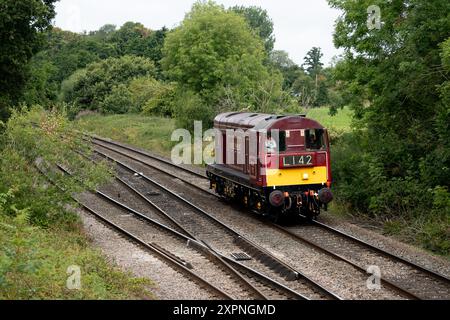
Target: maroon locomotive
(275, 165)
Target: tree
(155, 45)
(65, 52)
(304, 89)
(104, 33)
(313, 64)
(95, 86)
(260, 22)
(118, 101)
(280, 60)
(152, 96)
(22, 23)
(131, 39)
(134, 39)
(393, 74)
(393, 77)
(211, 50)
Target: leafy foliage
(97, 86)
(34, 262)
(21, 24)
(216, 57)
(210, 41)
(190, 108)
(66, 52)
(154, 97)
(311, 84)
(260, 22)
(134, 39)
(38, 139)
(394, 78)
(313, 62)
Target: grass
(34, 264)
(40, 238)
(151, 133)
(341, 121)
(154, 133)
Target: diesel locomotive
(274, 165)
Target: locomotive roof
(260, 121)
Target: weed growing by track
(40, 236)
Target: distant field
(153, 133)
(341, 121)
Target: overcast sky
(299, 24)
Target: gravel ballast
(332, 274)
(169, 284)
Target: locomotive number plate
(298, 161)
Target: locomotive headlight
(305, 176)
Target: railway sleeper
(265, 258)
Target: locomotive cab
(285, 167)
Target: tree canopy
(21, 27)
(313, 64)
(214, 50)
(396, 80)
(103, 85)
(260, 22)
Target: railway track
(191, 256)
(146, 154)
(265, 283)
(410, 278)
(204, 228)
(165, 255)
(400, 274)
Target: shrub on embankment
(40, 236)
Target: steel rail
(285, 269)
(315, 245)
(165, 256)
(416, 266)
(386, 253)
(144, 153)
(160, 170)
(186, 267)
(189, 236)
(193, 242)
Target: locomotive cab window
(276, 144)
(315, 139)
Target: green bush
(153, 97)
(119, 101)
(34, 262)
(40, 236)
(406, 205)
(216, 55)
(141, 89)
(90, 88)
(189, 108)
(37, 138)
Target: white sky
(299, 24)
